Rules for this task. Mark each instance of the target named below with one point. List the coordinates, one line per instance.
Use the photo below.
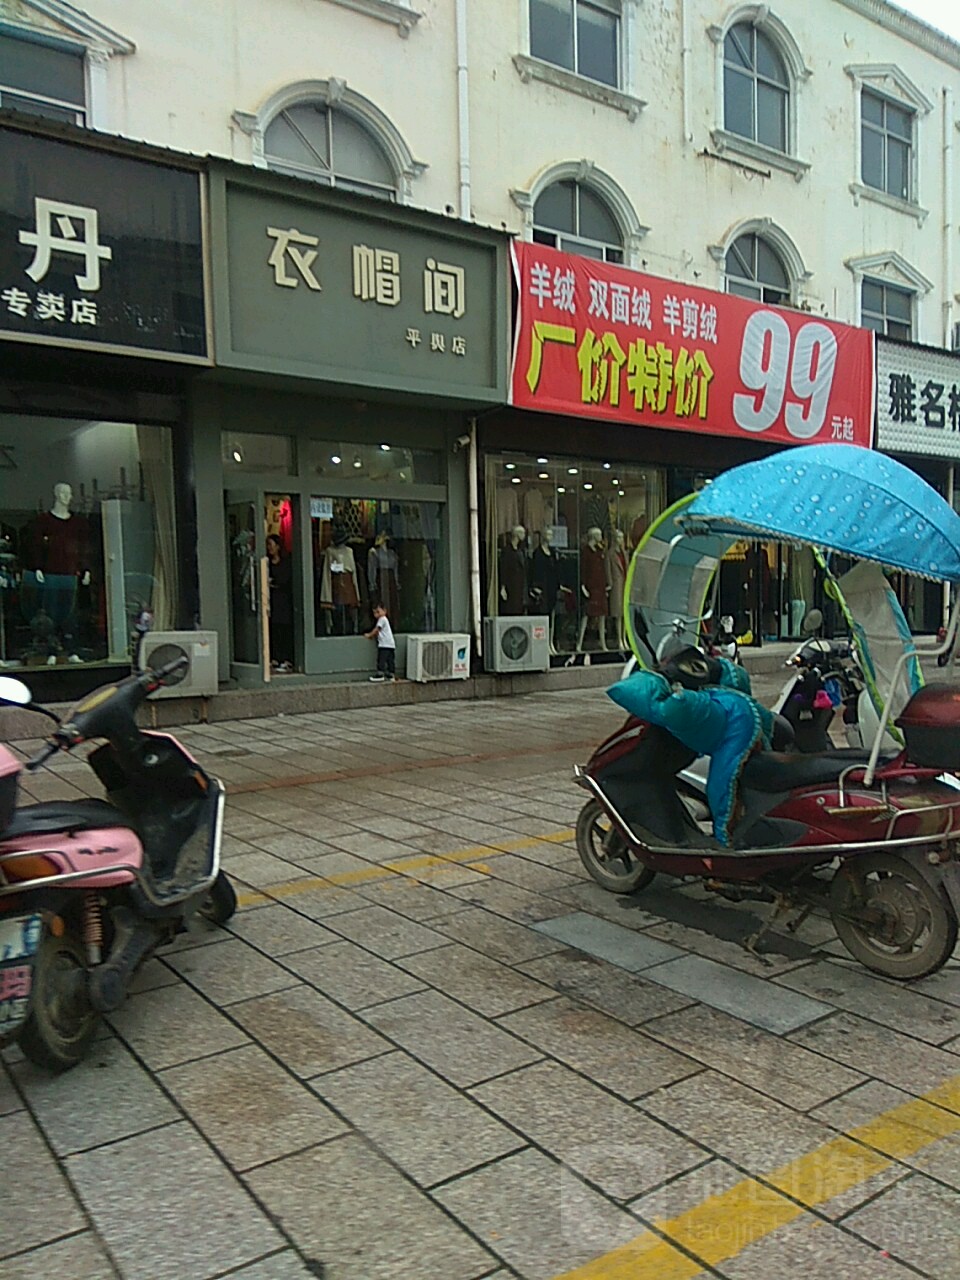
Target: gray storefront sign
(315, 284)
(918, 400)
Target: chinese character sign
(918, 400)
(602, 341)
(103, 249)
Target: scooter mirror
(812, 622)
(14, 692)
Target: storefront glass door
(246, 547)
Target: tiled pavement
(427, 1048)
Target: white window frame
(396, 12)
(759, 16)
(888, 268)
(335, 93)
(624, 97)
(586, 173)
(778, 240)
(886, 80)
(98, 43)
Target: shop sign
(600, 341)
(366, 295)
(918, 400)
(99, 250)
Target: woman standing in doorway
(281, 606)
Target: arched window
(570, 216)
(319, 141)
(754, 269)
(756, 87)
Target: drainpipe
(685, 71)
(948, 231)
(463, 109)
(473, 491)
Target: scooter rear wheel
(62, 1022)
(906, 926)
(605, 853)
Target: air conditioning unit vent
(514, 644)
(200, 647)
(438, 657)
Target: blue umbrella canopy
(840, 497)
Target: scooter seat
(775, 771)
(54, 816)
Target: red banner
(605, 342)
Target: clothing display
(338, 582)
(534, 517)
(59, 544)
(513, 580)
(281, 610)
(616, 571)
(593, 576)
(544, 579)
(382, 577)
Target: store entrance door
(248, 576)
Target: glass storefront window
(87, 539)
(368, 551)
(559, 535)
(377, 463)
(255, 451)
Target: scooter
(894, 897)
(90, 888)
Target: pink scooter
(90, 888)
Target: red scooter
(89, 889)
(882, 860)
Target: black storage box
(931, 726)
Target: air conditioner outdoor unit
(438, 657)
(516, 644)
(200, 647)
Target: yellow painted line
(430, 863)
(723, 1225)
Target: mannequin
(513, 572)
(339, 588)
(594, 586)
(59, 564)
(545, 584)
(616, 567)
(382, 577)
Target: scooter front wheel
(891, 917)
(605, 853)
(221, 901)
(62, 1022)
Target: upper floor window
(581, 35)
(887, 309)
(886, 144)
(314, 140)
(43, 77)
(567, 215)
(756, 87)
(755, 270)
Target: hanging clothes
(544, 579)
(383, 579)
(593, 575)
(616, 569)
(338, 582)
(513, 580)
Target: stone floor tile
(152, 976)
(420, 898)
(259, 869)
(623, 1060)
(307, 1032)
(917, 1221)
(500, 939)
(317, 900)
(132, 1188)
(342, 1204)
(593, 981)
(294, 847)
(527, 874)
(174, 1025)
(420, 1122)
(537, 1215)
(589, 899)
(509, 900)
(38, 1205)
(477, 981)
(76, 1258)
(279, 1266)
(231, 972)
(848, 987)
(249, 1107)
(279, 931)
(70, 1108)
(779, 954)
(746, 997)
(610, 1143)
(351, 976)
(623, 947)
(806, 1247)
(737, 1123)
(385, 933)
(878, 1051)
(10, 1100)
(448, 1038)
(765, 1062)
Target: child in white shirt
(386, 646)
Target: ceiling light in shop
(588, 486)
(385, 448)
(335, 459)
(622, 493)
(357, 463)
(561, 489)
(510, 466)
(571, 471)
(614, 481)
(543, 475)
(543, 461)
(515, 480)
(237, 455)
(606, 466)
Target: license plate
(19, 940)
